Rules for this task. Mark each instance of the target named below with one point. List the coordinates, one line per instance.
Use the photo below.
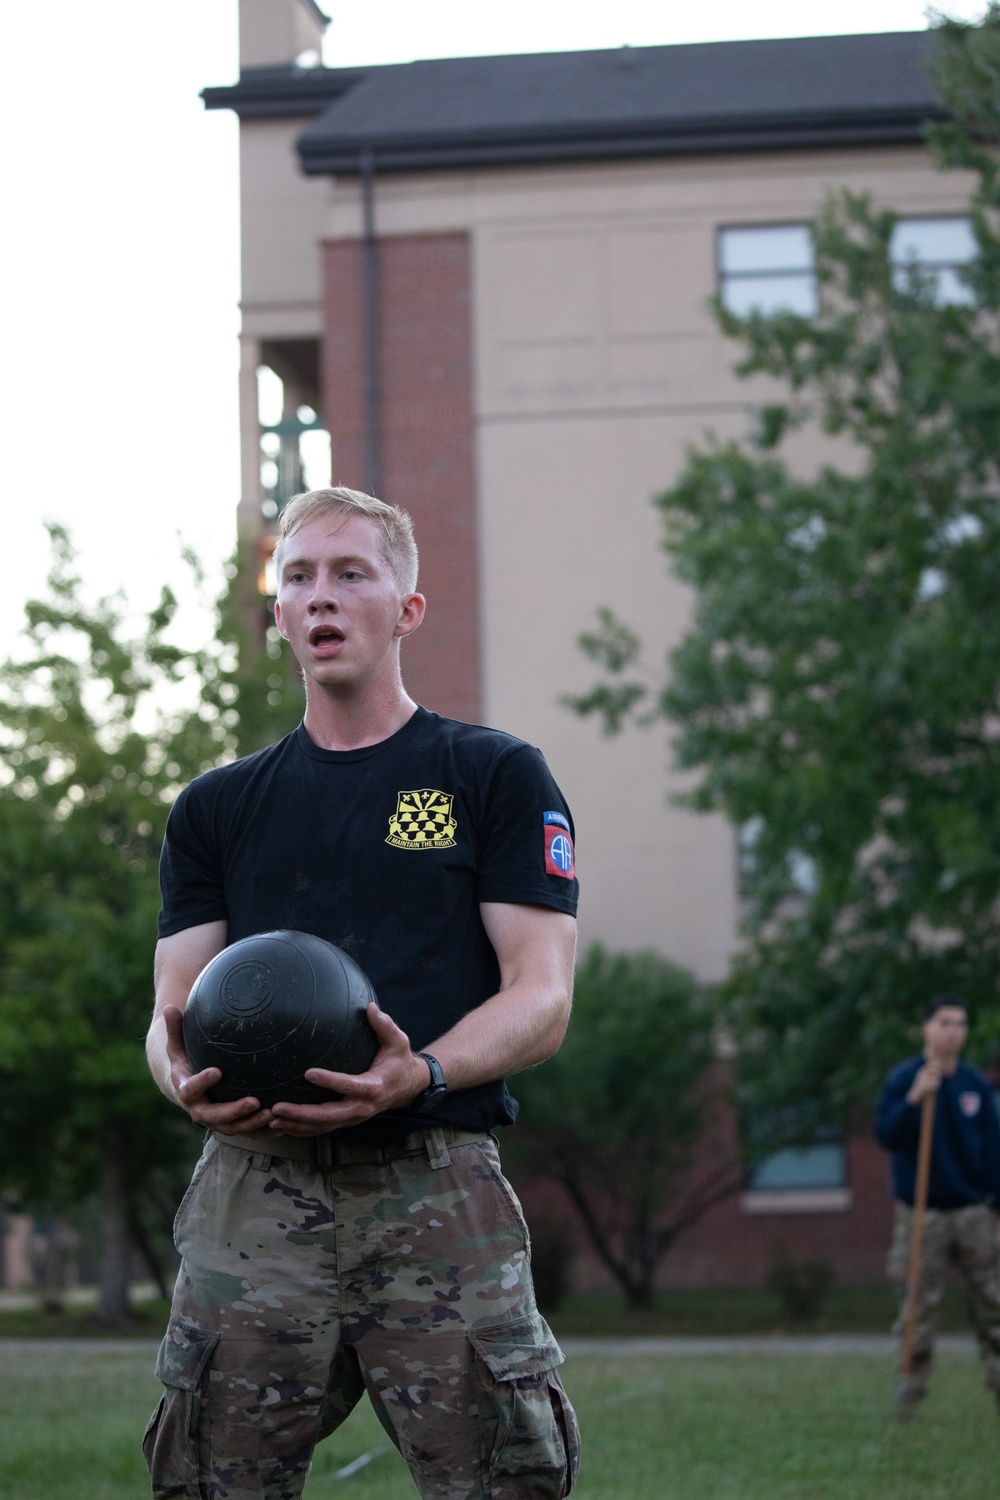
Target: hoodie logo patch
(969, 1104)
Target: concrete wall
(283, 222)
(277, 31)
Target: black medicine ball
(270, 1006)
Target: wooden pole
(917, 1229)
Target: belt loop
(437, 1148)
(321, 1152)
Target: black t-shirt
(386, 851)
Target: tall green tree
(839, 686)
(99, 729)
(254, 684)
(615, 1115)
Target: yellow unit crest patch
(423, 820)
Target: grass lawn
(845, 1310)
(869, 1309)
(711, 1428)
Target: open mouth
(325, 637)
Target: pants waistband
(327, 1151)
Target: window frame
(805, 1197)
(721, 275)
(932, 267)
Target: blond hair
(396, 527)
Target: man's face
(339, 605)
(945, 1032)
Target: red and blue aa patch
(558, 846)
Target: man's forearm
(177, 963)
(159, 1062)
(511, 1031)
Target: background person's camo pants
(401, 1271)
(967, 1237)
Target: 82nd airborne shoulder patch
(423, 820)
(559, 858)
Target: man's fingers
(252, 1124)
(173, 1020)
(306, 1119)
(385, 1027)
(242, 1114)
(359, 1085)
(193, 1088)
(362, 1095)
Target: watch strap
(437, 1086)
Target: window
(767, 268)
(798, 1168)
(940, 247)
(801, 1179)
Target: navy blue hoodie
(965, 1150)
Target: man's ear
(411, 612)
(277, 620)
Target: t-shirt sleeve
(191, 879)
(527, 843)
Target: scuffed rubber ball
(270, 1006)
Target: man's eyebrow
(348, 559)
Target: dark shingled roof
(546, 107)
(468, 111)
(566, 106)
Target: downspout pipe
(371, 332)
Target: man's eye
(352, 573)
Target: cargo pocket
(531, 1443)
(171, 1444)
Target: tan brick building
(491, 277)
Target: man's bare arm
(179, 960)
(526, 1020)
(522, 1024)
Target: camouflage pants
(967, 1238)
(401, 1271)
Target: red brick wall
(731, 1248)
(428, 464)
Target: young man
(369, 1243)
(964, 1189)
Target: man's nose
(323, 598)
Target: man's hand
(395, 1077)
(927, 1081)
(238, 1117)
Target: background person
(961, 1220)
(369, 1243)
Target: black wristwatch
(435, 1090)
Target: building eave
(431, 152)
(282, 92)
